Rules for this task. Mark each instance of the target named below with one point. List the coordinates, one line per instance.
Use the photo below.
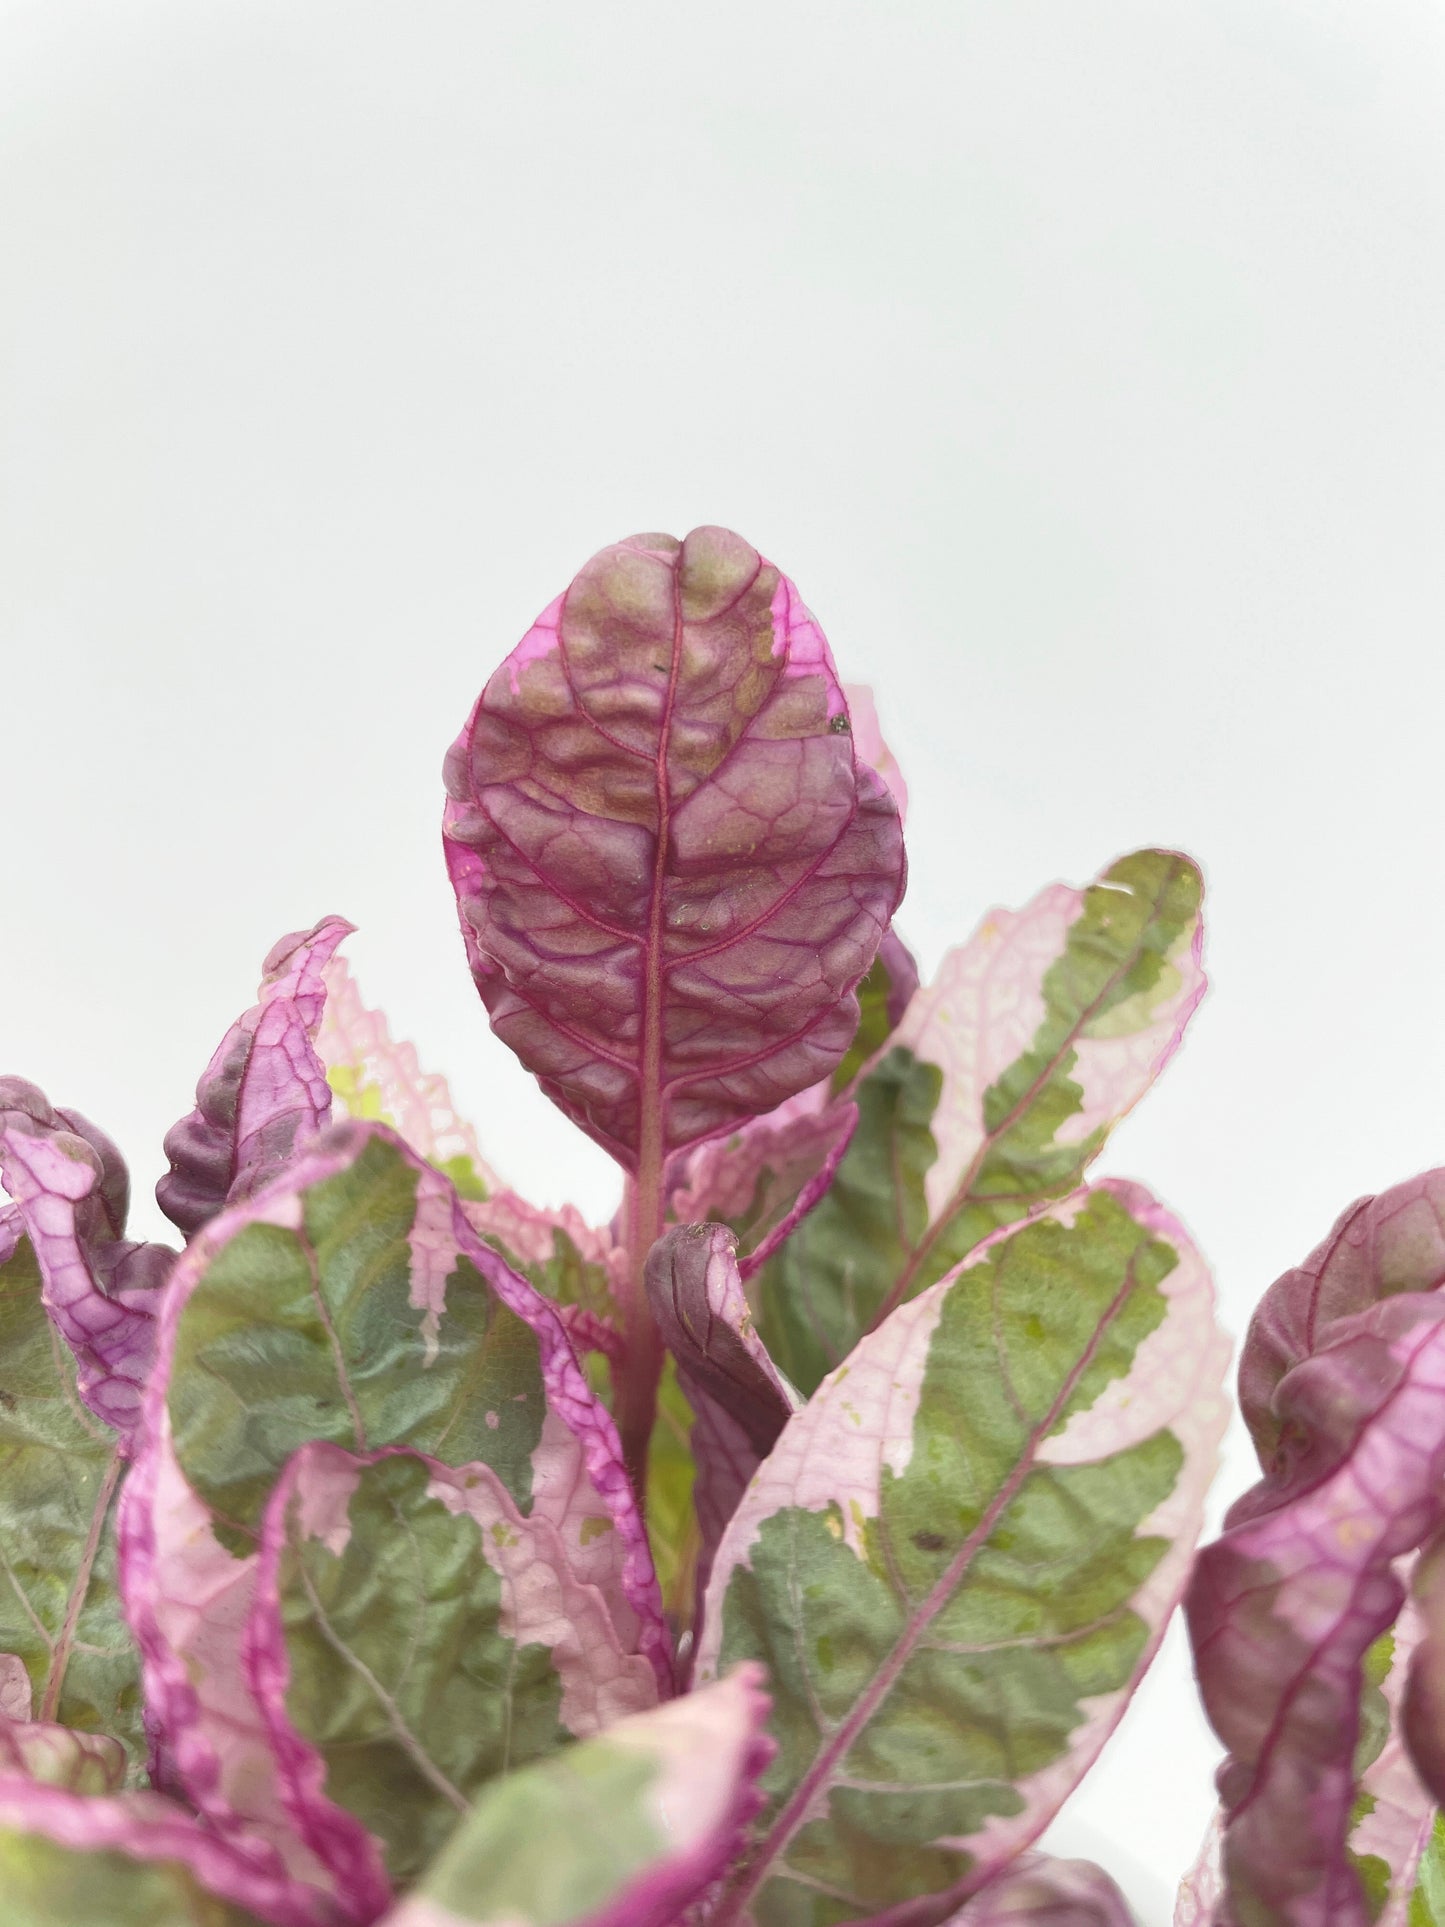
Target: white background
(1082, 363)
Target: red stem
(636, 1379)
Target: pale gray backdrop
(1082, 362)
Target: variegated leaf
(995, 1093)
(960, 1556)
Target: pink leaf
(99, 1289)
(764, 1179)
(740, 1401)
(1283, 1608)
(376, 1077)
(264, 1091)
(1391, 1243)
(671, 869)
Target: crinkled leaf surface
(352, 1304)
(997, 1090)
(672, 871)
(622, 1831)
(60, 1470)
(264, 1092)
(378, 1080)
(99, 1288)
(960, 1556)
(414, 1635)
(1040, 1892)
(1378, 1247)
(1285, 1608)
(567, 1259)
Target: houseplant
(782, 1551)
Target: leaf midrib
(819, 1776)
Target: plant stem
(635, 1379)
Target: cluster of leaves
(784, 1551)
(1318, 1617)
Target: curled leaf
(672, 871)
(1040, 1892)
(99, 1288)
(1285, 1608)
(995, 1093)
(702, 1311)
(264, 1091)
(740, 1401)
(626, 1830)
(960, 1556)
(1380, 1246)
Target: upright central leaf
(672, 872)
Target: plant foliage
(781, 1553)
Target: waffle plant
(781, 1552)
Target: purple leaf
(1040, 1892)
(902, 968)
(1283, 1608)
(264, 1091)
(671, 869)
(1380, 1246)
(764, 1179)
(698, 1301)
(99, 1289)
(740, 1401)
